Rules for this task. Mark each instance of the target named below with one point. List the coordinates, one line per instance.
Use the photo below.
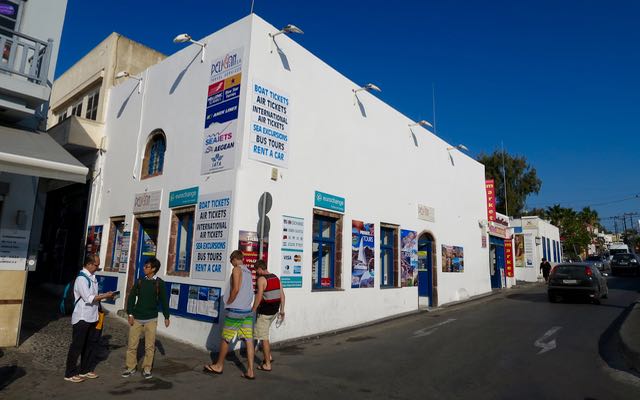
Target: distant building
(365, 214)
(29, 159)
(534, 239)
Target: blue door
(496, 261)
(147, 243)
(425, 271)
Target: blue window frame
(544, 248)
(156, 156)
(387, 259)
(184, 240)
(548, 249)
(324, 252)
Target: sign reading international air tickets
(269, 126)
(210, 236)
(221, 116)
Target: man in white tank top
(238, 320)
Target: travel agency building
(364, 213)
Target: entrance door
(425, 268)
(496, 262)
(147, 243)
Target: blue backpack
(68, 301)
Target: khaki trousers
(135, 331)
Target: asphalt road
(514, 345)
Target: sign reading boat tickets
(269, 126)
(221, 116)
(210, 236)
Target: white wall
(374, 162)
(538, 228)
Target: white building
(29, 160)
(345, 173)
(534, 239)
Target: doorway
(426, 255)
(496, 261)
(145, 243)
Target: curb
(630, 337)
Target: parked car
(599, 261)
(625, 262)
(577, 279)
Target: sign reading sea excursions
(211, 233)
(270, 111)
(221, 116)
(183, 197)
(329, 201)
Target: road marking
(429, 330)
(547, 346)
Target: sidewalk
(630, 337)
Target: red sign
(508, 255)
(491, 199)
(325, 282)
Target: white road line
(429, 330)
(550, 345)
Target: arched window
(153, 163)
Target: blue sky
(557, 81)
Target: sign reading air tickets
(210, 236)
(270, 111)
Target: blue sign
(107, 284)
(183, 197)
(329, 201)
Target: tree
(522, 180)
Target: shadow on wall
(283, 57)
(178, 80)
(363, 112)
(126, 101)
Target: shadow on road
(609, 344)
(9, 374)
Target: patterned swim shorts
(238, 322)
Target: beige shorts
(263, 323)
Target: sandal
(207, 369)
(262, 368)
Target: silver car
(599, 261)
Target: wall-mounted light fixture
(290, 28)
(185, 37)
(458, 147)
(126, 74)
(422, 123)
(368, 87)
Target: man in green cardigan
(142, 307)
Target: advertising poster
(121, 252)
(221, 116)
(508, 258)
(13, 249)
(292, 255)
(210, 237)
(408, 258)
(362, 254)
(270, 111)
(452, 259)
(529, 249)
(94, 238)
(519, 247)
(175, 296)
(249, 244)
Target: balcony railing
(25, 56)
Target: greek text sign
(269, 126)
(210, 238)
(147, 201)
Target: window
(180, 242)
(388, 265)
(10, 12)
(77, 109)
(117, 247)
(153, 162)
(327, 237)
(92, 106)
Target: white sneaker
(74, 379)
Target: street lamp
(126, 74)
(458, 147)
(185, 37)
(422, 123)
(290, 28)
(368, 87)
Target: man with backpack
(142, 307)
(269, 305)
(84, 319)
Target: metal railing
(25, 56)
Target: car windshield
(618, 251)
(623, 257)
(572, 270)
(594, 258)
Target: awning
(38, 154)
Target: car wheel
(552, 298)
(595, 301)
